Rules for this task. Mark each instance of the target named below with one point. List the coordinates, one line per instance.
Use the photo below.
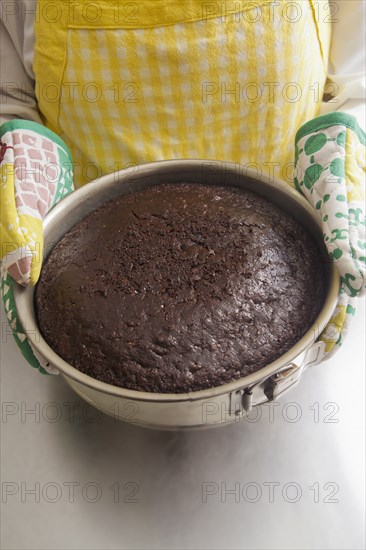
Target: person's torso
(132, 82)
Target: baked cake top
(179, 287)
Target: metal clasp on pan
(244, 399)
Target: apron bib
(125, 83)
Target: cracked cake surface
(179, 287)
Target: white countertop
(73, 480)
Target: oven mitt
(330, 171)
(36, 173)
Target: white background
(171, 473)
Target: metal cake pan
(211, 407)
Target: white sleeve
(346, 72)
(17, 87)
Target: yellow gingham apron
(125, 83)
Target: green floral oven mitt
(330, 172)
(36, 173)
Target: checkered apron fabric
(129, 83)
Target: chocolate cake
(179, 287)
